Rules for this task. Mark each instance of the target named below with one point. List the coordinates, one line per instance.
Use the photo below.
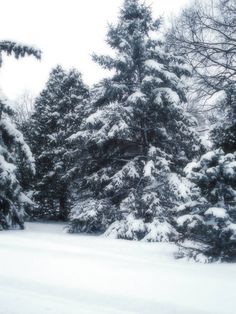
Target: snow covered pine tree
(12, 144)
(137, 136)
(208, 223)
(224, 133)
(58, 113)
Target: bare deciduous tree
(205, 34)
(24, 107)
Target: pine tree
(14, 152)
(137, 136)
(208, 222)
(224, 132)
(58, 113)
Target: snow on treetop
(153, 64)
(232, 228)
(95, 117)
(148, 168)
(115, 129)
(138, 95)
(19, 49)
(187, 205)
(6, 167)
(190, 167)
(25, 199)
(79, 134)
(210, 156)
(19, 139)
(150, 78)
(182, 66)
(230, 170)
(182, 185)
(190, 219)
(159, 231)
(217, 212)
(171, 95)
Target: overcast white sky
(67, 31)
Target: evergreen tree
(224, 132)
(208, 222)
(58, 113)
(14, 152)
(137, 137)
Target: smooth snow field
(43, 270)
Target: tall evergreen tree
(137, 136)
(14, 152)
(209, 221)
(58, 113)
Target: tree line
(124, 157)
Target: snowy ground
(43, 270)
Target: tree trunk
(63, 210)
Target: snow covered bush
(14, 152)
(59, 110)
(137, 136)
(91, 216)
(208, 223)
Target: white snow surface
(217, 212)
(43, 270)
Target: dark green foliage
(137, 134)
(58, 114)
(15, 154)
(209, 222)
(224, 132)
